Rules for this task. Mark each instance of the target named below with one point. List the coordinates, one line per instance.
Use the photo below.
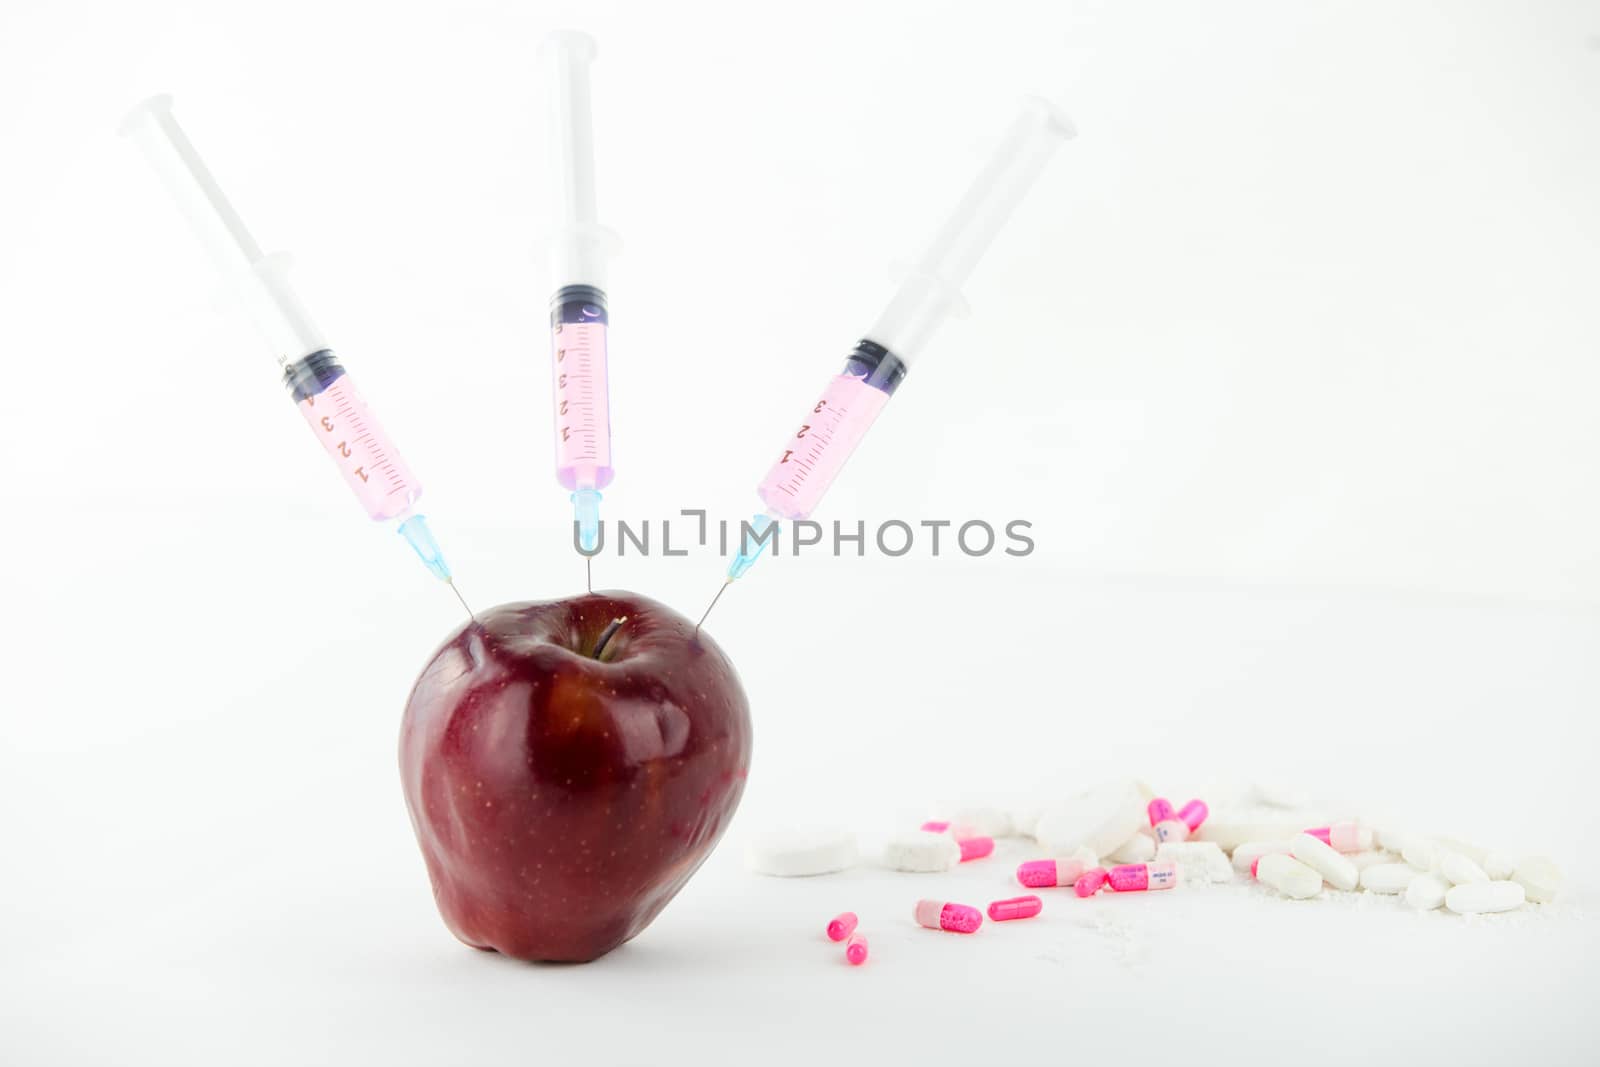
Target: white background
(1290, 359)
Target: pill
(986, 822)
(1040, 874)
(1421, 853)
(1473, 898)
(1287, 875)
(801, 853)
(1193, 814)
(1164, 821)
(974, 848)
(921, 852)
(1230, 835)
(1140, 848)
(842, 925)
(1344, 836)
(1471, 851)
(1498, 866)
(1371, 858)
(1320, 857)
(1387, 877)
(1100, 820)
(1138, 877)
(1015, 908)
(1247, 853)
(855, 950)
(1541, 878)
(956, 918)
(935, 826)
(1091, 881)
(1426, 892)
(1459, 870)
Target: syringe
(580, 249)
(323, 392)
(815, 453)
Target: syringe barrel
(580, 388)
(816, 452)
(580, 248)
(931, 291)
(259, 281)
(351, 434)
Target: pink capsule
(956, 918)
(842, 925)
(935, 826)
(1015, 908)
(1165, 821)
(855, 950)
(1137, 877)
(975, 848)
(1344, 836)
(1090, 882)
(1193, 814)
(1042, 874)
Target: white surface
(1290, 359)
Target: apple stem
(605, 636)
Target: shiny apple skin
(561, 801)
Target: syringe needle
(451, 582)
(726, 582)
(588, 572)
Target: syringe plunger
(258, 280)
(931, 291)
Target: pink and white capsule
(842, 925)
(855, 950)
(1015, 908)
(1343, 836)
(1042, 874)
(956, 918)
(935, 826)
(1138, 877)
(1090, 882)
(1193, 814)
(1165, 822)
(975, 848)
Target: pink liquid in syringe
(583, 408)
(813, 457)
(353, 437)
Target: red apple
(565, 777)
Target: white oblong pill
(1474, 898)
(1363, 860)
(1387, 877)
(984, 822)
(1426, 892)
(1288, 876)
(1421, 853)
(1454, 844)
(1250, 851)
(1321, 857)
(921, 852)
(1100, 820)
(1498, 866)
(801, 853)
(1459, 870)
(1541, 878)
(1140, 848)
(1200, 861)
(1229, 835)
